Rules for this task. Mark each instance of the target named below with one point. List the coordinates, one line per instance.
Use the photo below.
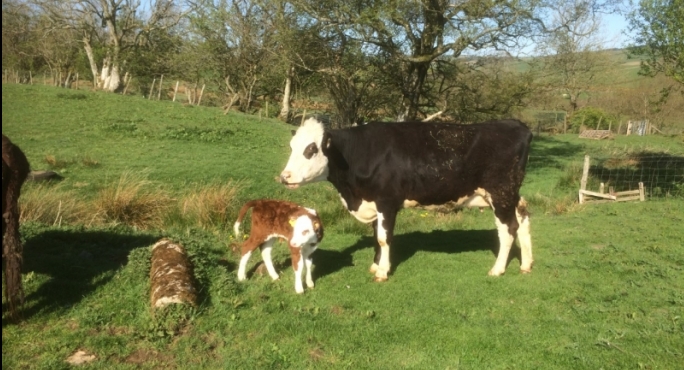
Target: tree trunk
(104, 74)
(113, 81)
(285, 108)
(91, 59)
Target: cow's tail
(241, 215)
(12, 250)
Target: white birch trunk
(91, 59)
(104, 74)
(285, 108)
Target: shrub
(592, 118)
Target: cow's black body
(431, 163)
(381, 167)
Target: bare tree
(121, 26)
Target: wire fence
(661, 174)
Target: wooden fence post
(152, 88)
(585, 176)
(160, 87)
(641, 192)
(175, 91)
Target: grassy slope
(606, 290)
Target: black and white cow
(382, 167)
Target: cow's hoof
(373, 269)
(526, 271)
(379, 279)
(493, 272)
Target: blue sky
(614, 27)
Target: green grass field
(607, 289)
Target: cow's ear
(293, 132)
(293, 220)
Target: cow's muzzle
(284, 179)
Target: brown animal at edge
(15, 169)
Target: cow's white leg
(384, 263)
(266, 256)
(505, 243)
(243, 266)
(525, 241)
(299, 288)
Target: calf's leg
(306, 254)
(266, 256)
(297, 266)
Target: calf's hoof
(379, 279)
(526, 271)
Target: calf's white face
(307, 163)
(304, 232)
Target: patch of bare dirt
(80, 357)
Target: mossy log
(171, 278)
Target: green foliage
(591, 118)
(659, 29)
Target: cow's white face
(304, 232)
(307, 162)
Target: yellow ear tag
(292, 222)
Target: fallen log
(171, 277)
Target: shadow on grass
(406, 245)
(547, 151)
(76, 261)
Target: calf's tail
(241, 215)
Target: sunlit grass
(605, 291)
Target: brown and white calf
(272, 219)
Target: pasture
(606, 291)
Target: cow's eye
(310, 150)
(305, 232)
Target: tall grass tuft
(212, 205)
(52, 205)
(552, 205)
(133, 201)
